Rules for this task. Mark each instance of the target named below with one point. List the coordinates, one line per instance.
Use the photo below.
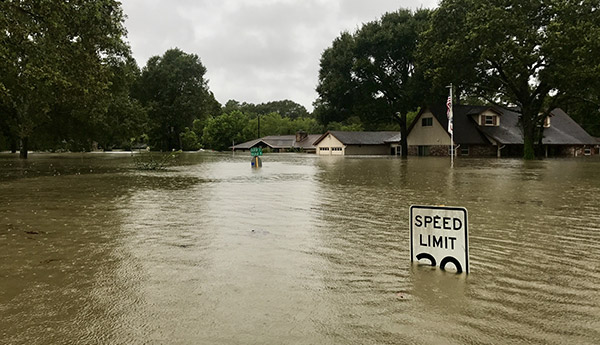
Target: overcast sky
(255, 51)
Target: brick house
(487, 131)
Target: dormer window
(490, 120)
(427, 121)
(487, 118)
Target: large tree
(225, 130)
(125, 119)
(285, 108)
(174, 89)
(533, 54)
(53, 61)
(372, 73)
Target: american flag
(449, 113)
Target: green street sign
(256, 151)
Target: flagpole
(451, 125)
(452, 134)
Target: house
(339, 143)
(492, 131)
(277, 143)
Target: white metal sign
(439, 234)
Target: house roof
(509, 132)
(279, 142)
(362, 138)
(307, 143)
(562, 131)
(465, 129)
(247, 144)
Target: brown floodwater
(305, 250)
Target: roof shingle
(563, 129)
(362, 138)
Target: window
(464, 151)
(587, 152)
(427, 121)
(489, 120)
(323, 148)
(336, 149)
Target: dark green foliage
(536, 54)
(125, 118)
(285, 108)
(175, 92)
(372, 74)
(222, 131)
(189, 140)
(54, 58)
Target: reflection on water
(305, 250)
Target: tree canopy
(372, 74)
(285, 108)
(174, 90)
(54, 63)
(532, 54)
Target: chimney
(301, 135)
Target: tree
(336, 88)
(275, 124)
(372, 73)
(53, 61)
(176, 93)
(221, 131)
(535, 54)
(285, 108)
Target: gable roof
(465, 129)
(307, 142)
(509, 132)
(247, 144)
(279, 142)
(362, 138)
(563, 129)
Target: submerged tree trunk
(528, 123)
(13, 145)
(24, 147)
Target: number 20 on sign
(439, 234)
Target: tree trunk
(528, 138)
(13, 145)
(24, 147)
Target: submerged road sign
(256, 151)
(439, 234)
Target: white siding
(324, 147)
(432, 135)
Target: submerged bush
(146, 160)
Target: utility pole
(258, 125)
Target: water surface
(305, 250)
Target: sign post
(440, 235)
(256, 161)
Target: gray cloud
(254, 51)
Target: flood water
(305, 250)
